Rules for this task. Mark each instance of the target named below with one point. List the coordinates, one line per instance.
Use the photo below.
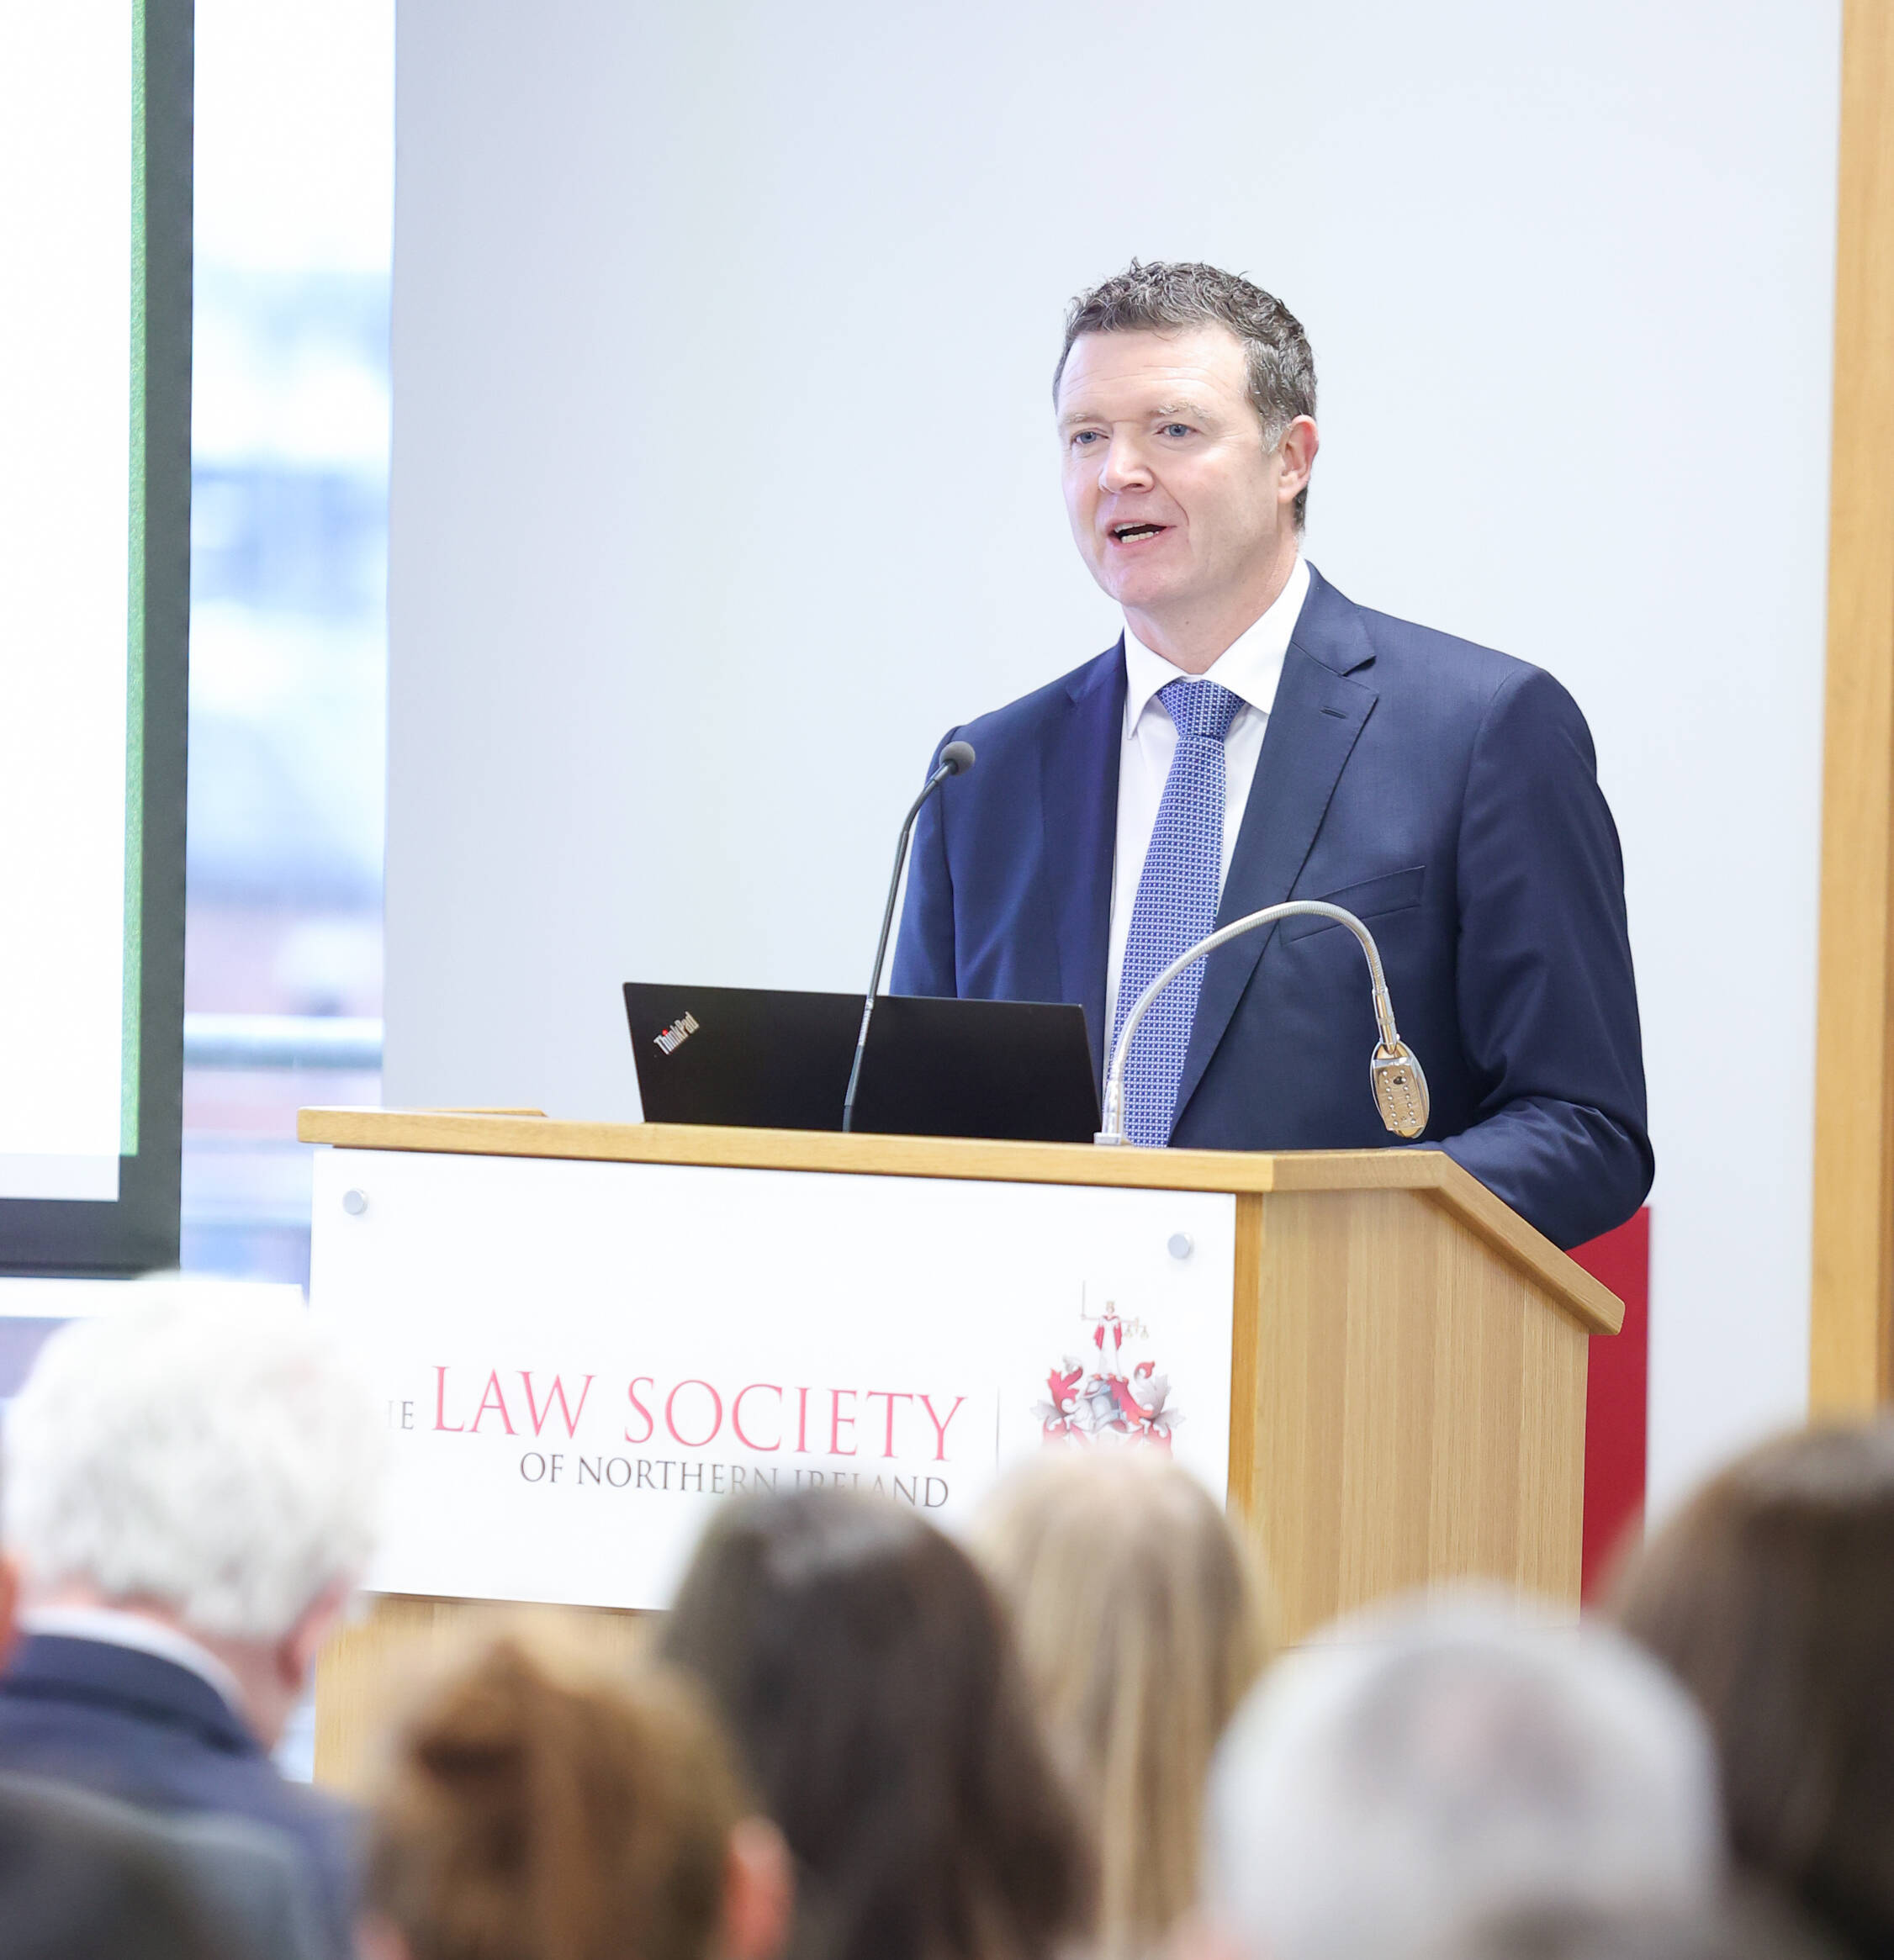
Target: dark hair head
(866, 1673)
(1771, 1597)
(532, 1814)
(1164, 297)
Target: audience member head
(1771, 1597)
(867, 1675)
(204, 1458)
(1139, 1619)
(535, 1811)
(1424, 1769)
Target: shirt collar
(1250, 668)
(113, 1627)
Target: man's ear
(758, 1892)
(298, 1650)
(1297, 449)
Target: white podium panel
(581, 1359)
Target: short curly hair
(199, 1449)
(1164, 297)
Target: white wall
(723, 482)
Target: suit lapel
(1316, 720)
(1078, 788)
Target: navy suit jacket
(140, 1728)
(1446, 795)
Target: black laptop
(759, 1058)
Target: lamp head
(1400, 1089)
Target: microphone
(955, 760)
(1394, 1070)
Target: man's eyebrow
(1164, 412)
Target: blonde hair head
(1141, 1620)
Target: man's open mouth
(1130, 533)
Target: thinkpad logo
(680, 1032)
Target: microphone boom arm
(1394, 1072)
(956, 757)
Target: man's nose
(1125, 467)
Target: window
(295, 194)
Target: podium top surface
(525, 1134)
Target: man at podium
(1254, 737)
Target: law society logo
(709, 1435)
(1110, 1392)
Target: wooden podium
(1407, 1358)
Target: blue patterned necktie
(1176, 905)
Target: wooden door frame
(1852, 1304)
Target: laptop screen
(766, 1059)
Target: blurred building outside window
(294, 199)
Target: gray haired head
(197, 1449)
(1173, 297)
(1415, 1774)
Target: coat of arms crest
(1109, 1395)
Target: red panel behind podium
(1616, 1396)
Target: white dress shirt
(1250, 669)
(113, 1627)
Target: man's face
(1175, 503)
